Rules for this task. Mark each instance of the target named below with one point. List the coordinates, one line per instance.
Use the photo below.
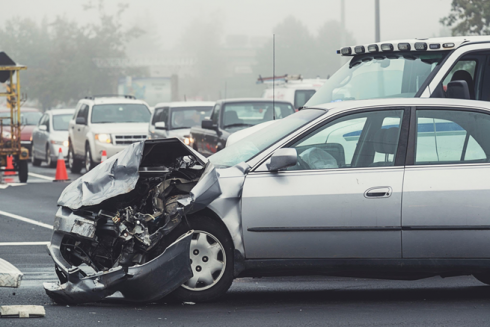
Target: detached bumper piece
(141, 283)
(9, 275)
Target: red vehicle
(29, 119)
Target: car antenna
(273, 76)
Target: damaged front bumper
(148, 282)
(113, 229)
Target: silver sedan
(391, 188)
(51, 135)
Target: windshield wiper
(237, 125)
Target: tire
(49, 160)
(484, 278)
(89, 163)
(205, 291)
(35, 162)
(74, 163)
(23, 171)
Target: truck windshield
(380, 75)
(120, 113)
(250, 146)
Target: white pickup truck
(452, 67)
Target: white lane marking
(22, 243)
(41, 176)
(27, 220)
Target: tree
(61, 55)
(469, 17)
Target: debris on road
(10, 276)
(110, 231)
(22, 311)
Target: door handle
(378, 192)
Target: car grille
(128, 139)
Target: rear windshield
(245, 114)
(26, 118)
(187, 117)
(120, 113)
(372, 76)
(60, 122)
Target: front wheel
(49, 161)
(211, 254)
(35, 162)
(89, 164)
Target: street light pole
(377, 33)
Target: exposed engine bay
(111, 227)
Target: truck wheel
(89, 164)
(74, 163)
(211, 255)
(23, 171)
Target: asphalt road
(286, 301)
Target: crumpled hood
(120, 173)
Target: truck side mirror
(160, 125)
(43, 128)
(458, 90)
(208, 124)
(283, 158)
(80, 121)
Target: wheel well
(211, 214)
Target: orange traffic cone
(104, 156)
(10, 165)
(61, 175)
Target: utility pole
(342, 29)
(377, 33)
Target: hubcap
(208, 261)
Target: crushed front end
(110, 232)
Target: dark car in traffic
(231, 115)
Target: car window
(160, 115)
(358, 140)
(61, 122)
(463, 70)
(301, 97)
(30, 118)
(187, 117)
(83, 112)
(448, 137)
(239, 114)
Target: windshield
(250, 146)
(187, 117)
(60, 122)
(371, 76)
(26, 118)
(120, 113)
(238, 114)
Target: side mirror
(80, 121)
(160, 125)
(283, 158)
(208, 124)
(458, 90)
(43, 128)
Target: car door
(37, 138)
(342, 199)
(210, 136)
(79, 130)
(446, 212)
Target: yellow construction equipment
(10, 124)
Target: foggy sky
(399, 18)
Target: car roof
(333, 107)
(112, 100)
(445, 43)
(60, 111)
(177, 104)
(251, 100)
